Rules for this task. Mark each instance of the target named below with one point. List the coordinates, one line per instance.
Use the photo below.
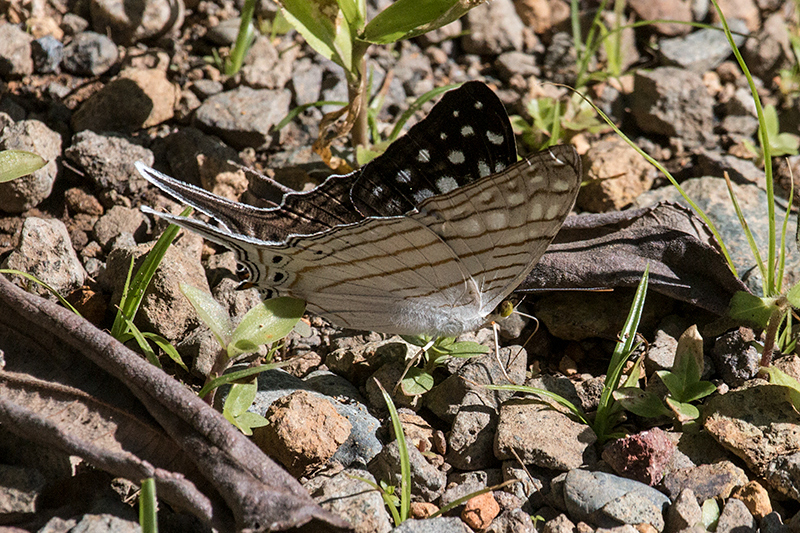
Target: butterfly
(426, 239)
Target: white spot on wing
(443, 136)
(377, 191)
(404, 176)
(446, 184)
(498, 166)
(483, 168)
(496, 220)
(455, 113)
(466, 131)
(495, 138)
(553, 210)
(478, 105)
(422, 194)
(456, 157)
(423, 156)
(536, 212)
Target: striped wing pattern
(439, 269)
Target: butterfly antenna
(496, 330)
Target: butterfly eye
(242, 272)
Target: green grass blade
(751, 241)
(143, 344)
(574, 409)
(386, 498)
(148, 519)
(144, 275)
(464, 499)
(299, 109)
(244, 39)
(231, 377)
(168, 348)
(769, 281)
(405, 463)
(33, 278)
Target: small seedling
(779, 143)
(609, 413)
(267, 323)
(682, 381)
(434, 353)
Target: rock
(559, 63)
(746, 10)
(735, 358)
(422, 510)
(303, 433)
(130, 23)
(769, 50)
(21, 489)
(47, 53)
(735, 518)
(741, 171)
(352, 499)
(756, 423)
(164, 309)
(108, 161)
(480, 510)
(515, 63)
(15, 52)
(543, 436)
(136, 99)
(244, 117)
(559, 524)
(493, 29)
(89, 54)
(18, 195)
(680, 10)
(755, 498)
(606, 500)
(224, 33)
(439, 524)
(265, 68)
(533, 486)
(512, 521)
(715, 480)
(427, 482)
(642, 456)
(306, 81)
(362, 445)
(119, 220)
(45, 251)
(204, 88)
(684, 513)
(73, 24)
(461, 484)
(541, 15)
(772, 523)
(358, 362)
(616, 173)
(673, 102)
(79, 200)
(701, 50)
(198, 158)
(472, 435)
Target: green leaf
(210, 312)
(231, 377)
(688, 362)
(696, 391)
(674, 381)
(405, 19)
(778, 377)
(17, 163)
(240, 398)
(466, 349)
(405, 461)
(417, 382)
(684, 412)
(324, 26)
(641, 402)
(751, 309)
(167, 348)
(251, 420)
(269, 321)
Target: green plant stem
(357, 92)
(243, 39)
(771, 332)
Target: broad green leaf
(321, 23)
(751, 309)
(466, 349)
(266, 323)
(689, 357)
(17, 163)
(405, 19)
(674, 382)
(696, 391)
(417, 382)
(210, 312)
(168, 348)
(684, 412)
(240, 398)
(779, 377)
(251, 420)
(641, 402)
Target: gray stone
(306, 81)
(741, 171)
(543, 436)
(47, 53)
(772, 523)
(735, 518)
(559, 524)
(673, 102)
(15, 52)
(493, 28)
(89, 54)
(439, 524)
(267, 68)
(28, 191)
(129, 23)
(244, 117)
(533, 486)
(45, 251)
(715, 480)
(118, 220)
(352, 499)
(701, 50)
(20, 489)
(684, 513)
(512, 521)
(735, 357)
(427, 482)
(606, 500)
(462, 484)
(108, 161)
